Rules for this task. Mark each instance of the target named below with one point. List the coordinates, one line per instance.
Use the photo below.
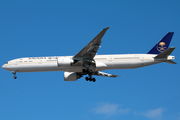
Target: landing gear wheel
(84, 71)
(90, 73)
(87, 78)
(14, 77)
(90, 79)
(14, 73)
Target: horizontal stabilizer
(166, 53)
(171, 62)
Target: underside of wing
(105, 74)
(90, 50)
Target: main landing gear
(90, 79)
(14, 73)
(90, 75)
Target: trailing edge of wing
(105, 74)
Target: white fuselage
(103, 62)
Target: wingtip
(107, 27)
(120, 76)
(171, 32)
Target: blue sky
(36, 28)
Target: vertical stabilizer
(162, 45)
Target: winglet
(162, 45)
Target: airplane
(87, 62)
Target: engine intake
(71, 76)
(64, 61)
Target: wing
(105, 74)
(89, 51)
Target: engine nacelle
(71, 76)
(64, 61)
(100, 65)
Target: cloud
(124, 111)
(109, 109)
(152, 114)
(179, 116)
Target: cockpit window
(6, 62)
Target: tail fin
(162, 45)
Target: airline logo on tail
(161, 47)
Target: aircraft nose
(4, 67)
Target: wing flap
(106, 74)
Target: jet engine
(64, 61)
(71, 76)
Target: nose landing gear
(15, 77)
(14, 73)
